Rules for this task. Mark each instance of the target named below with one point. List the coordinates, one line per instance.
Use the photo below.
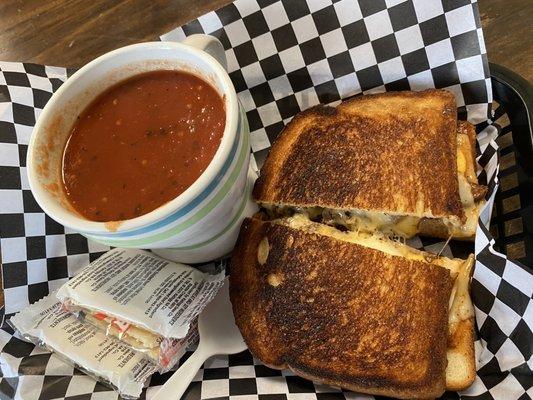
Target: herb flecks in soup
(141, 143)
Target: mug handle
(210, 44)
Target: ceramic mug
(199, 225)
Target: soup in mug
(140, 144)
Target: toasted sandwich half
(354, 310)
(398, 162)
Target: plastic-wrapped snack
(148, 302)
(164, 352)
(105, 358)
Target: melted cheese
(407, 226)
(461, 162)
(461, 307)
(471, 210)
(355, 220)
(465, 192)
(465, 160)
(370, 221)
(374, 241)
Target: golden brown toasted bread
(461, 367)
(339, 312)
(393, 153)
(387, 161)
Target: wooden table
(69, 33)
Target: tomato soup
(140, 144)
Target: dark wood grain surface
(70, 33)
(508, 32)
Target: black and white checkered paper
(283, 57)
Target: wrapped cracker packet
(164, 352)
(149, 303)
(48, 324)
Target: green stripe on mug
(227, 228)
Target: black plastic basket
(512, 218)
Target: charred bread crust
(296, 310)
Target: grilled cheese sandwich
(311, 285)
(331, 306)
